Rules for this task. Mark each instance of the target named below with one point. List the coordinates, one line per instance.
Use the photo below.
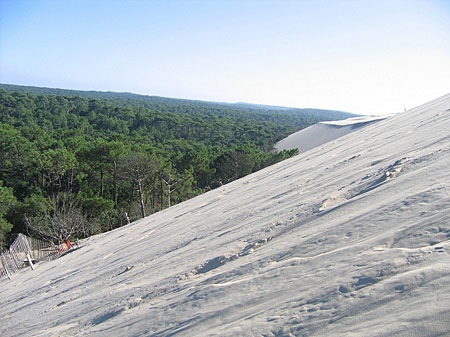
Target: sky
(367, 57)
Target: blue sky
(360, 56)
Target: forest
(78, 163)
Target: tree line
(72, 166)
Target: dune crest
(324, 132)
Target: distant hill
(291, 109)
(261, 106)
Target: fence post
(27, 245)
(30, 263)
(126, 217)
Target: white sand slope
(349, 239)
(324, 132)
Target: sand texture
(351, 238)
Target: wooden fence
(25, 251)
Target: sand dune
(351, 238)
(324, 132)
